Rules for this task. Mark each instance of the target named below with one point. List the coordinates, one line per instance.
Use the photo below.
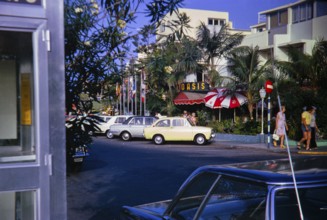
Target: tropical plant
(167, 65)
(307, 77)
(98, 38)
(214, 47)
(97, 41)
(247, 73)
(308, 70)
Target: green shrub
(225, 126)
(203, 117)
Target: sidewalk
(236, 142)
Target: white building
(298, 24)
(214, 21)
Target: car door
(136, 127)
(180, 130)
(163, 127)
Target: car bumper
(212, 136)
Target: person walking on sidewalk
(306, 129)
(281, 126)
(314, 129)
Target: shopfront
(32, 131)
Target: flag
(117, 89)
(131, 87)
(143, 87)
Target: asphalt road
(121, 173)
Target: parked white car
(132, 127)
(115, 119)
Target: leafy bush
(237, 127)
(202, 117)
(249, 127)
(225, 126)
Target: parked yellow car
(177, 129)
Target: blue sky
(243, 13)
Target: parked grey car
(262, 190)
(132, 127)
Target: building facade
(32, 100)
(214, 20)
(298, 24)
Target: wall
(301, 30)
(319, 29)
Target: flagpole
(141, 91)
(135, 95)
(144, 77)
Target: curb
(312, 152)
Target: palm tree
(176, 56)
(248, 72)
(309, 73)
(215, 46)
(308, 70)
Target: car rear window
(149, 121)
(211, 196)
(178, 122)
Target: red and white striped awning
(189, 98)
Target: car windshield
(190, 122)
(213, 196)
(98, 118)
(126, 122)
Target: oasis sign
(30, 2)
(193, 86)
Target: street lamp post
(262, 96)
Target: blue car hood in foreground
(153, 211)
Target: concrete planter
(241, 138)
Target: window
(216, 22)
(17, 205)
(278, 18)
(16, 100)
(302, 12)
(132, 121)
(222, 22)
(313, 203)
(321, 8)
(309, 11)
(139, 121)
(149, 121)
(234, 198)
(282, 17)
(221, 197)
(193, 195)
(163, 123)
(162, 27)
(120, 120)
(296, 16)
(178, 122)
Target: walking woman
(314, 129)
(306, 129)
(281, 126)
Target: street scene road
(121, 173)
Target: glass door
(25, 164)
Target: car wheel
(200, 139)
(158, 139)
(109, 134)
(126, 136)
